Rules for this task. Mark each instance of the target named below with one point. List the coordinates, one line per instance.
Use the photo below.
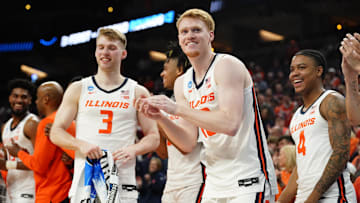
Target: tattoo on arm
(333, 109)
(354, 89)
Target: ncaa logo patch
(190, 84)
(91, 89)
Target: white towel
(101, 179)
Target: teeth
(297, 81)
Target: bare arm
(231, 77)
(64, 117)
(333, 110)
(149, 142)
(165, 138)
(289, 192)
(182, 134)
(350, 65)
(30, 129)
(161, 151)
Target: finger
(137, 103)
(357, 36)
(117, 155)
(341, 48)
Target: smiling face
(19, 100)
(194, 36)
(109, 53)
(170, 73)
(304, 73)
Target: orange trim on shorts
(342, 198)
(201, 191)
(258, 135)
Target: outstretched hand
(124, 155)
(350, 49)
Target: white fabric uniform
(20, 183)
(107, 119)
(313, 150)
(180, 166)
(235, 165)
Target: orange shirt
(52, 178)
(285, 176)
(357, 189)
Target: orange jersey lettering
(107, 104)
(204, 99)
(303, 124)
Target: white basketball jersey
(313, 150)
(237, 164)
(20, 183)
(106, 119)
(183, 170)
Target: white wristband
(11, 164)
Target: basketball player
(350, 49)
(216, 101)
(105, 118)
(22, 129)
(52, 178)
(321, 133)
(177, 188)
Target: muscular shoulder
(30, 127)
(333, 106)
(178, 88)
(141, 91)
(73, 91)
(74, 87)
(31, 122)
(231, 69)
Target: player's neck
(201, 64)
(310, 97)
(17, 119)
(109, 80)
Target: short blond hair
(290, 154)
(112, 34)
(199, 14)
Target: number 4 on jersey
(301, 146)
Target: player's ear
(320, 71)
(123, 54)
(46, 99)
(179, 71)
(212, 36)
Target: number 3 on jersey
(107, 121)
(301, 146)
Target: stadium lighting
(157, 56)
(33, 71)
(268, 36)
